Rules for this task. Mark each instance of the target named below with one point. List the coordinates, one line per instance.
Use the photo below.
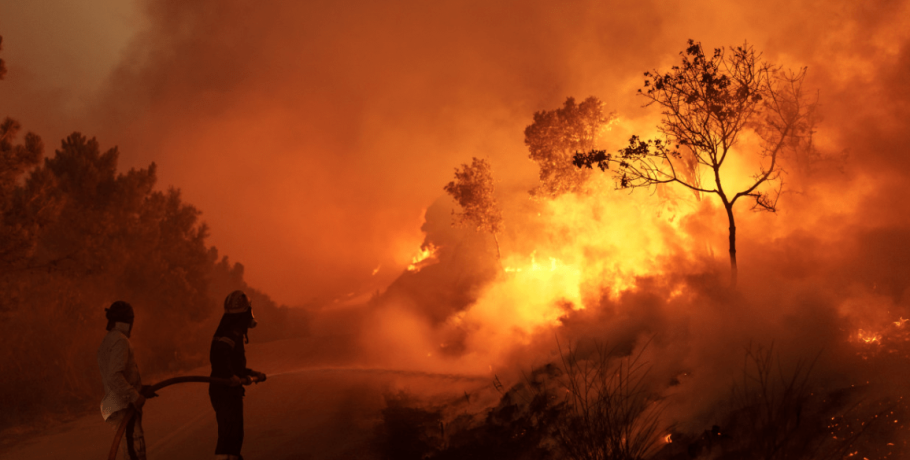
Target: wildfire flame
(892, 331)
(868, 336)
(890, 338)
(546, 289)
(425, 257)
(534, 265)
(572, 260)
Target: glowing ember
(891, 332)
(676, 293)
(869, 337)
(890, 338)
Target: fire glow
(889, 339)
(424, 258)
(643, 273)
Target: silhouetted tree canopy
(76, 235)
(79, 235)
(17, 225)
(708, 103)
(474, 191)
(555, 137)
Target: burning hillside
(705, 259)
(611, 315)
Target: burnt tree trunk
(498, 253)
(733, 270)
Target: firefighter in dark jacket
(228, 359)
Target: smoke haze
(313, 135)
(316, 138)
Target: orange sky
(313, 135)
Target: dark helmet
(120, 312)
(238, 303)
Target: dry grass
(610, 411)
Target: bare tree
(708, 103)
(556, 135)
(473, 190)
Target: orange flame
(424, 258)
(575, 255)
(869, 336)
(889, 337)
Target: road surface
(311, 407)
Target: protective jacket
(119, 371)
(228, 357)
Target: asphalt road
(309, 408)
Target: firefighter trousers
(229, 415)
(133, 447)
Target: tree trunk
(498, 254)
(733, 270)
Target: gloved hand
(147, 392)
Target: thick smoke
(313, 136)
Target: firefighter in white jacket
(122, 384)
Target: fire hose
(151, 389)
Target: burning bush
(598, 404)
